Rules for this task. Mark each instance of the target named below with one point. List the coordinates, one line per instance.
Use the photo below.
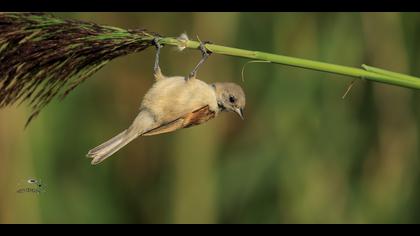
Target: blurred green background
(302, 155)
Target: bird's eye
(232, 99)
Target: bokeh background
(302, 155)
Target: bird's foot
(156, 67)
(205, 54)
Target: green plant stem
(368, 72)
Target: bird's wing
(196, 117)
(165, 128)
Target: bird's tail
(143, 121)
(106, 149)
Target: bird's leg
(156, 68)
(205, 54)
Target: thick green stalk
(368, 72)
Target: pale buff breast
(172, 97)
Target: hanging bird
(173, 103)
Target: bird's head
(230, 97)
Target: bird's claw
(205, 54)
(156, 67)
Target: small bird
(173, 103)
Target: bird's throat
(221, 106)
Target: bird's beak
(240, 112)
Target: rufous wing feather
(196, 117)
(165, 128)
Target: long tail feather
(143, 121)
(106, 149)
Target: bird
(173, 103)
